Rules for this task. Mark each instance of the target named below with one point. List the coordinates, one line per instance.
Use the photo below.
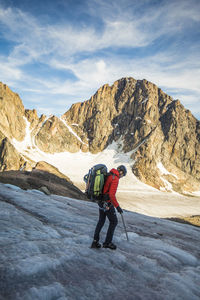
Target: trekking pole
(124, 227)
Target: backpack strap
(105, 197)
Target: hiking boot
(110, 246)
(95, 244)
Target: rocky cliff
(12, 123)
(55, 136)
(130, 109)
(163, 138)
(12, 126)
(46, 133)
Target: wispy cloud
(143, 39)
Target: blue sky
(56, 53)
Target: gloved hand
(119, 210)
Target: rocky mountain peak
(148, 122)
(32, 117)
(129, 107)
(163, 138)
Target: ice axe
(124, 227)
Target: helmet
(123, 169)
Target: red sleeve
(110, 188)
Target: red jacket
(110, 186)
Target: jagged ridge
(163, 136)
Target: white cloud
(61, 46)
(176, 82)
(35, 41)
(8, 71)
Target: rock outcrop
(44, 166)
(12, 123)
(33, 118)
(55, 136)
(10, 159)
(44, 181)
(174, 145)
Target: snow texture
(45, 253)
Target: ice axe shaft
(124, 227)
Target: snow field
(45, 244)
(132, 193)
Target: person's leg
(111, 214)
(102, 218)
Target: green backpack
(95, 180)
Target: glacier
(45, 252)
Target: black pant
(111, 215)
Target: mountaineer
(107, 206)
